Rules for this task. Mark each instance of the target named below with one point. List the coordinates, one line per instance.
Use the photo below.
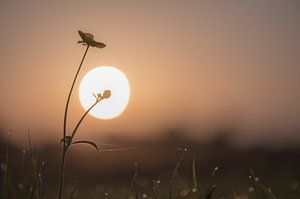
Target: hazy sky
(195, 65)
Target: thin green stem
(62, 171)
(83, 116)
(70, 93)
(64, 147)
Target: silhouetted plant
(67, 140)
(261, 190)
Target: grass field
(24, 177)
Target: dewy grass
(261, 190)
(195, 182)
(174, 174)
(67, 140)
(31, 187)
(5, 168)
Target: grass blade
(156, 190)
(194, 174)
(174, 174)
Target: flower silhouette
(88, 39)
(106, 94)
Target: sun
(98, 80)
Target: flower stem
(62, 171)
(64, 144)
(70, 93)
(83, 116)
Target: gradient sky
(195, 65)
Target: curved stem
(83, 116)
(64, 147)
(70, 93)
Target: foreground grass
(178, 185)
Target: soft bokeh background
(221, 78)
(193, 65)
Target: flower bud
(106, 94)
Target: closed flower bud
(106, 94)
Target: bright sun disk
(97, 81)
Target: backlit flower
(88, 39)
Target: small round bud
(106, 94)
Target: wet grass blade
(195, 183)
(156, 190)
(133, 182)
(174, 174)
(255, 185)
(261, 190)
(40, 187)
(5, 169)
(211, 187)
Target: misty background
(199, 66)
(220, 78)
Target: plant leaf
(91, 143)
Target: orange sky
(195, 65)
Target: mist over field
(196, 66)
